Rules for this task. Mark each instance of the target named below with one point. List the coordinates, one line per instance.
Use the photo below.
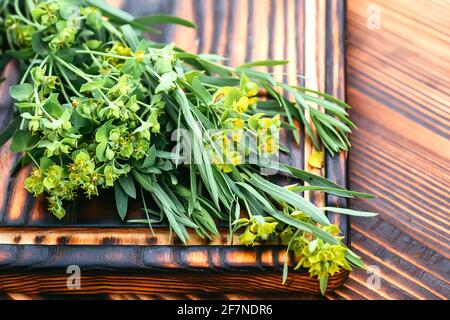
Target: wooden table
(399, 86)
(398, 83)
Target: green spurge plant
(98, 106)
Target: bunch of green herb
(98, 106)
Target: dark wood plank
(32, 269)
(335, 85)
(398, 85)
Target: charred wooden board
(36, 248)
(398, 86)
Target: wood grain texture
(32, 269)
(335, 84)
(398, 85)
(93, 236)
(106, 236)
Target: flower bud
(251, 89)
(33, 125)
(109, 154)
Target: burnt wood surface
(398, 80)
(397, 84)
(36, 248)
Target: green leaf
(112, 12)
(301, 104)
(268, 207)
(69, 10)
(323, 284)
(151, 158)
(326, 96)
(313, 245)
(93, 85)
(133, 68)
(20, 54)
(45, 163)
(191, 75)
(166, 82)
(52, 106)
(237, 211)
(200, 155)
(102, 134)
(285, 268)
(212, 57)
(263, 63)
(130, 36)
(354, 259)
(321, 181)
(335, 191)
(290, 197)
(350, 212)
(257, 75)
(21, 92)
(121, 201)
(23, 141)
(283, 103)
(164, 19)
(220, 81)
(253, 121)
(168, 206)
(201, 92)
(127, 184)
(234, 94)
(100, 151)
(8, 132)
(144, 180)
(38, 45)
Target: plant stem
(33, 159)
(73, 69)
(146, 211)
(68, 82)
(104, 54)
(25, 75)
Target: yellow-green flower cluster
(61, 182)
(94, 136)
(120, 50)
(258, 228)
(235, 105)
(46, 13)
(320, 258)
(53, 180)
(20, 33)
(268, 133)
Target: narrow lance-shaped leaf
(350, 212)
(127, 184)
(121, 201)
(290, 197)
(321, 181)
(314, 230)
(164, 19)
(112, 12)
(263, 63)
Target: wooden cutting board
(36, 249)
